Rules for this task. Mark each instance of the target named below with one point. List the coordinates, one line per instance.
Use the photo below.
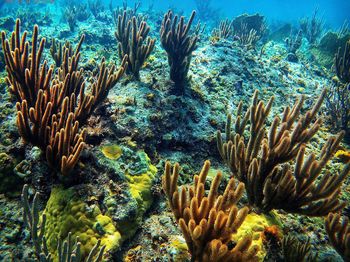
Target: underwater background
(195, 130)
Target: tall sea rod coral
(342, 63)
(261, 161)
(179, 44)
(52, 104)
(224, 31)
(208, 221)
(338, 230)
(338, 98)
(133, 41)
(312, 28)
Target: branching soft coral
(260, 161)
(52, 104)
(208, 221)
(338, 231)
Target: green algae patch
(255, 226)
(112, 151)
(66, 212)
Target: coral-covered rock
(325, 51)
(67, 212)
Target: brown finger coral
(52, 104)
(261, 161)
(208, 221)
(339, 234)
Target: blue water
(334, 12)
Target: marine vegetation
(98, 109)
(131, 34)
(293, 250)
(293, 44)
(68, 250)
(51, 104)
(259, 161)
(312, 27)
(179, 44)
(338, 100)
(224, 31)
(339, 234)
(249, 29)
(208, 221)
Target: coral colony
(109, 112)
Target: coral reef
(96, 7)
(49, 105)
(339, 234)
(66, 250)
(224, 31)
(338, 99)
(133, 42)
(112, 151)
(179, 44)
(131, 179)
(57, 50)
(31, 219)
(293, 45)
(312, 27)
(258, 226)
(112, 196)
(207, 222)
(293, 250)
(257, 162)
(343, 155)
(130, 12)
(329, 45)
(71, 16)
(10, 181)
(337, 103)
(206, 11)
(82, 221)
(249, 29)
(342, 63)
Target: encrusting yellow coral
(112, 151)
(66, 212)
(343, 155)
(255, 226)
(140, 189)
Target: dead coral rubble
(208, 221)
(51, 106)
(261, 161)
